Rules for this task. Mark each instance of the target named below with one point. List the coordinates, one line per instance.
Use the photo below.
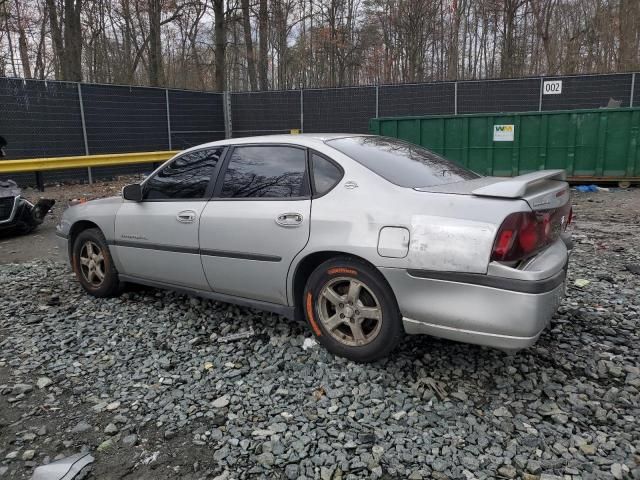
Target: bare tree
(248, 42)
(66, 33)
(263, 59)
(261, 44)
(629, 35)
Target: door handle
(186, 216)
(291, 219)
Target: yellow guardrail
(61, 163)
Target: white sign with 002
(552, 87)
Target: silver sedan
(366, 237)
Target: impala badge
(131, 236)
(350, 185)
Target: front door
(257, 222)
(157, 239)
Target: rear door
(257, 221)
(157, 238)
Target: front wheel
(352, 310)
(93, 265)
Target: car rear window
(402, 163)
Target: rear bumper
(504, 312)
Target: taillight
(528, 236)
(523, 234)
(504, 242)
(569, 219)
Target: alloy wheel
(92, 263)
(349, 311)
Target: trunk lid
(522, 234)
(542, 190)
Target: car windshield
(402, 163)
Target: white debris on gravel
(309, 343)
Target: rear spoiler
(516, 187)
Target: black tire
(337, 275)
(109, 285)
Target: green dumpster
(589, 144)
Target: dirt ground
(41, 243)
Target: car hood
(105, 201)
(85, 210)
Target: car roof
(302, 139)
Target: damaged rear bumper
(507, 309)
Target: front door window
(187, 177)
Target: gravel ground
(152, 385)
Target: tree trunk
(507, 53)
(67, 43)
(452, 60)
(23, 47)
(263, 60)
(543, 12)
(155, 44)
(40, 60)
(72, 41)
(629, 32)
(56, 35)
(248, 43)
(220, 44)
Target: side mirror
(132, 192)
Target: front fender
(101, 213)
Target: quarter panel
(448, 232)
(450, 244)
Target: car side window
(326, 174)
(187, 177)
(266, 172)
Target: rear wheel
(93, 265)
(352, 310)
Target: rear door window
(187, 177)
(402, 163)
(266, 172)
(326, 174)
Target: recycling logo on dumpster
(503, 133)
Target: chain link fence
(339, 110)
(265, 113)
(50, 118)
(417, 99)
(519, 95)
